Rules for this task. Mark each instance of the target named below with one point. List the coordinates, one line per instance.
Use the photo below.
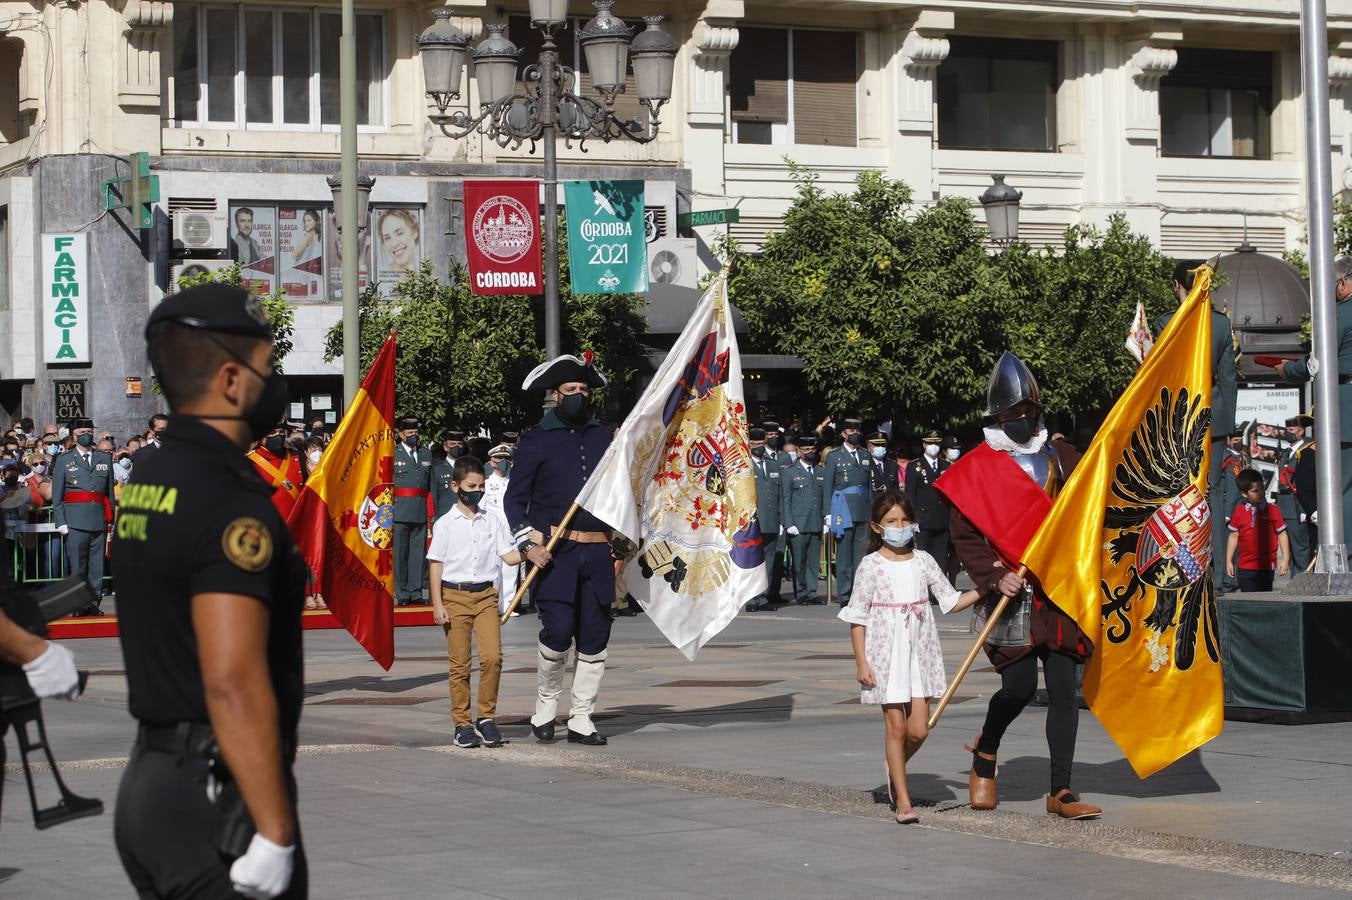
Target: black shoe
(488, 730)
(595, 739)
(543, 733)
(758, 607)
(467, 737)
(91, 609)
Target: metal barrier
(39, 554)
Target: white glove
(62, 529)
(264, 871)
(1314, 517)
(53, 674)
(793, 530)
(781, 529)
(826, 524)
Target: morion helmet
(1011, 384)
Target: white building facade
(1187, 118)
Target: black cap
(507, 437)
(223, 308)
(807, 442)
(756, 434)
(856, 424)
(81, 423)
(1302, 420)
(770, 425)
(454, 436)
(932, 437)
(878, 439)
(407, 422)
(950, 443)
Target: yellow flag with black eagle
(1126, 552)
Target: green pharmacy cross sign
(137, 192)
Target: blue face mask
(879, 452)
(899, 536)
(793, 455)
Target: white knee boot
(586, 685)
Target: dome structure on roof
(1267, 301)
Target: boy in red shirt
(1257, 530)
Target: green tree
(281, 315)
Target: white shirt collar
(459, 513)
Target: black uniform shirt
(198, 519)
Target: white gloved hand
(1314, 517)
(826, 524)
(793, 530)
(52, 673)
(264, 871)
(781, 529)
(63, 529)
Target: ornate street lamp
(1001, 204)
(545, 102)
(364, 185)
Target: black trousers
(1254, 580)
(1018, 684)
(165, 830)
(582, 615)
(934, 541)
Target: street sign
(137, 192)
(708, 217)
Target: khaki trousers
(473, 616)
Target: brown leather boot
(1068, 806)
(981, 791)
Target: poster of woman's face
(398, 248)
(333, 256)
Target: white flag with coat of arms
(677, 482)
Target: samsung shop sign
(65, 298)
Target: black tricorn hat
(563, 369)
(756, 434)
(407, 422)
(81, 423)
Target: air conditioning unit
(186, 267)
(199, 229)
(673, 261)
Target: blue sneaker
(488, 730)
(467, 737)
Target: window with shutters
(11, 71)
(1217, 103)
(998, 94)
(794, 86)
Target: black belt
(469, 587)
(1345, 379)
(180, 738)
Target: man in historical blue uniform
(846, 498)
(412, 488)
(770, 497)
(82, 506)
(576, 586)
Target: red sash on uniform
(417, 492)
(998, 498)
(92, 497)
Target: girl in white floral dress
(896, 647)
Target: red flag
(344, 519)
(502, 237)
(1008, 516)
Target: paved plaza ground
(749, 773)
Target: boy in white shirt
(468, 544)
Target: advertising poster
(607, 250)
(300, 248)
(398, 244)
(333, 257)
(253, 244)
(502, 237)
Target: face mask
(411, 441)
(455, 452)
(855, 440)
(503, 467)
(573, 409)
(124, 463)
(275, 444)
(51, 449)
(1020, 431)
(12, 480)
(899, 536)
(879, 452)
(85, 440)
(315, 456)
(774, 442)
(952, 454)
(932, 450)
(811, 457)
(40, 468)
(793, 456)
(758, 452)
(470, 498)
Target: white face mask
(125, 463)
(952, 453)
(40, 468)
(315, 456)
(898, 536)
(879, 452)
(931, 450)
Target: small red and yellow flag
(343, 521)
(1126, 552)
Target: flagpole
(991, 620)
(554, 538)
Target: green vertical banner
(607, 253)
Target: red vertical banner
(502, 237)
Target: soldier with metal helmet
(1032, 628)
(412, 492)
(846, 500)
(82, 506)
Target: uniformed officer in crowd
(847, 496)
(82, 506)
(802, 515)
(1297, 527)
(453, 445)
(210, 589)
(574, 592)
(412, 493)
(931, 513)
(508, 439)
(499, 477)
(280, 468)
(774, 441)
(443, 495)
(884, 470)
(770, 497)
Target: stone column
(706, 125)
(919, 45)
(1147, 56)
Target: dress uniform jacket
(82, 492)
(931, 513)
(282, 475)
(443, 495)
(1299, 371)
(884, 474)
(412, 473)
(802, 503)
(848, 468)
(769, 494)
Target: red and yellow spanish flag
(1126, 552)
(344, 519)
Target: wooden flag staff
(554, 538)
(981, 639)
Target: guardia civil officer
(1288, 461)
(82, 506)
(443, 495)
(576, 588)
(769, 507)
(846, 499)
(412, 490)
(802, 481)
(931, 513)
(884, 470)
(210, 592)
